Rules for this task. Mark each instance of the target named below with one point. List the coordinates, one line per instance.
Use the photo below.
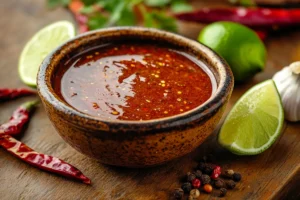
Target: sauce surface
(133, 82)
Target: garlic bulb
(288, 84)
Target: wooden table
(274, 174)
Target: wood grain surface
(274, 174)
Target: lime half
(39, 46)
(255, 122)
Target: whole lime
(238, 45)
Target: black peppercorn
(205, 179)
(230, 184)
(237, 177)
(186, 187)
(219, 183)
(208, 169)
(201, 166)
(198, 174)
(178, 194)
(223, 192)
(190, 176)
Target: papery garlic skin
(288, 84)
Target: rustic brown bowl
(135, 143)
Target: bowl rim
(203, 111)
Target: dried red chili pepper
(19, 118)
(7, 94)
(41, 161)
(258, 18)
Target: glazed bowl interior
(217, 68)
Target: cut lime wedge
(255, 122)
(39, 46)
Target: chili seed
(115, 112)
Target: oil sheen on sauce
(134, 82)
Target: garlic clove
(295, 67)
(288, 84)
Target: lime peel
(39, 46)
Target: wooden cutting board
(274, 174)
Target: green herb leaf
(180, 6)
(157, 3)
(57, 3)
(87, 10)
(160, 20)
(97, 21)
(90, 2)
(116, 13)
(127, 17)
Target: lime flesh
(39, 46)
(255, 122)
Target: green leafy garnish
(160, 20)
(180, 6)
(105, 13)
(57, 3)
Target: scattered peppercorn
(178, 194)
(228, 173)
(204, 159)
(223, 192)
(198, 174)
(207, 188)
(230, 184)
(196, 183)
(201, 166)
(219, 183)
(237, 177)
(186, 187)
(207, 176)
(190, 176)
(205, 179)
(216, 172)
(208, 169)
(195, 193)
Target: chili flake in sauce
(134, 82)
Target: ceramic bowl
(135, 143)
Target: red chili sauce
(134, 82)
